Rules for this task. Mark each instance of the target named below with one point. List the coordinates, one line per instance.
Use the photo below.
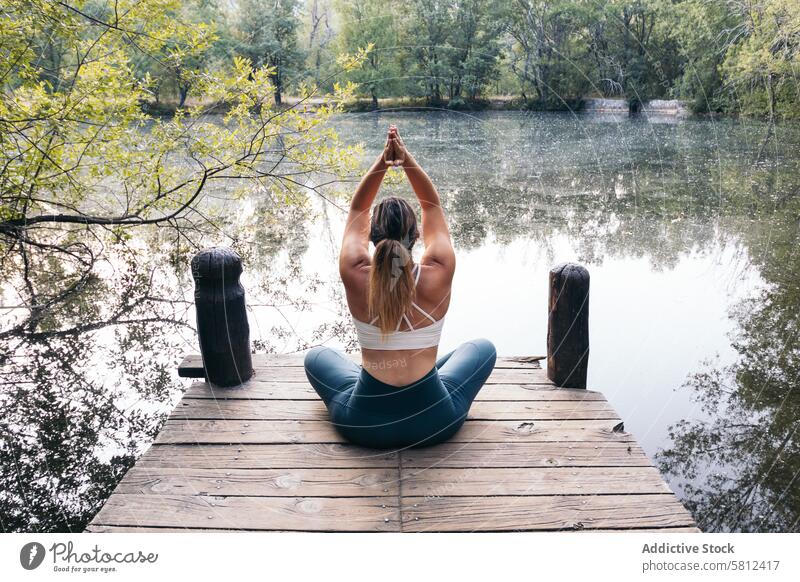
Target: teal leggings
(372, 414)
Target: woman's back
(406, 354)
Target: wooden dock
(263, 457)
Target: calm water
(689, 230)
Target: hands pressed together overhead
(394, 153)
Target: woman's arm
(435, 234)
(355, 243)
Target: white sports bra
(370, 336)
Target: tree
(81, 162)
(699, 28)
(428, 31)
(761, 65)
(268, 37)
(473, 60)
(371, 23)
(320, 34)
(75, 131)
(548, 53)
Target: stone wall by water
(663, 106)
(606, 105)
(659, 106)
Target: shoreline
(673, 108)
(496, 103)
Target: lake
(689, 229)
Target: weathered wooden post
(568, 326)
(221, 317)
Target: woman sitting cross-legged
(401, 395)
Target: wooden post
(221, 317)
(568, 326)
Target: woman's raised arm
(355, 242)
(435, 234)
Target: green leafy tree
(319, 34)
(80, 160)
(761, 66)
(475, 52)
(268, 36)
(549, 50)
(700, 30)
(371, 23)
(427, 32)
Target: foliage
(761, 67)
(267, 35)
(736, 56)
(370, 24)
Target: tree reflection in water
(88, 363)
(740, 468)
(86, 376)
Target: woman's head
(393, 231)
(393, 218)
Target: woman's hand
(400, 152)
(394, 153)
(388, 149)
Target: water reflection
(658, 211)
(91, 336)
(739, 469)
(85, 383)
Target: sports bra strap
(423, 312)
(405, 318)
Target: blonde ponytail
(391, 284)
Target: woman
(401, 395)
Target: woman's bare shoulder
(434, 288)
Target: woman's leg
(442, 360)
(330, 372)
(465, 371)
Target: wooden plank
(192, 365)
(288, 374)
(270, 390)
(197, 408)
(265, 457)
(446, 455)
(130, 529)
(660, 530)
(527, 454)
(91, 528)
(260, 482)
(532, 481)
(561, 512)
(278, 456)
(557, 410)
(498, 375)
(310, 431)
(365, 514)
